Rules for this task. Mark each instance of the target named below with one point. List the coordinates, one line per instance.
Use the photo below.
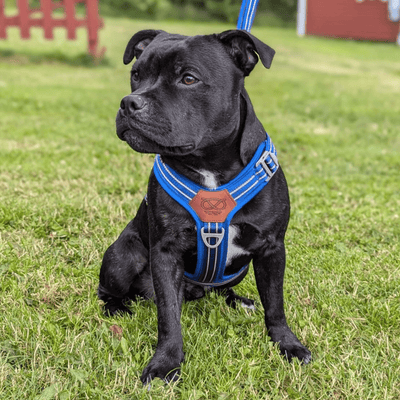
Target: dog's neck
(217, 165)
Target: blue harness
(213, 210)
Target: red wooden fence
(25, 20)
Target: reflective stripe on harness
(213, 209)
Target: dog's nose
(132, 103)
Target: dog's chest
(210, 181)
(234, 249)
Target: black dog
(188, 104)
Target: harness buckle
(218, 236)
(271, 166)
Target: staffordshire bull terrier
(216, 198)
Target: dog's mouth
(143, 144)
(177, 150)
(152, 135)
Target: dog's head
(186, 90)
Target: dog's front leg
(167, 268)
(168, 286)
(269, 268)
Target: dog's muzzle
(129, 106)
(132, 103)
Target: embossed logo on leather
(213, 206)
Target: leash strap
(247, 14)
(213, 209)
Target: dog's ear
(139, 41)
(243, 47)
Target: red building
(377, 20)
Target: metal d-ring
(218, 236)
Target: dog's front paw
(150, 373)
(298, 350)
(289, 345)
(165, 368)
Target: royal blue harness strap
(247, 14)
(213, 209)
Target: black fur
(189, 104)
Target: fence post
(24, 22)
(70, 19)
(2, 21)
(93, 25)
(47, 9)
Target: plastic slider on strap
(218, 236)
(269, 163)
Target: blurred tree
(222, 10)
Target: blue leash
(247, 14)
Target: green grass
(68, 186)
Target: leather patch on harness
(212, 206)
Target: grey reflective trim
(177, 180)
(251, 187)
(244, 184)
(165, 177)
(210, 284)
(216, 253)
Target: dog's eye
(135, 75)
(189, 80)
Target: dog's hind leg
(193, 292)
(233, 300)
(125, 270)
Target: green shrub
(221, 10)
(152, 9)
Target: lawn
(68, 186)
